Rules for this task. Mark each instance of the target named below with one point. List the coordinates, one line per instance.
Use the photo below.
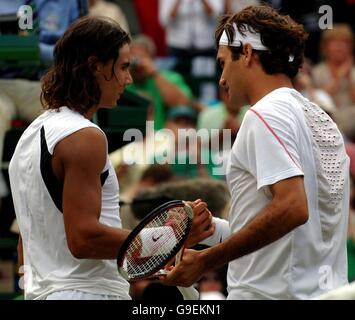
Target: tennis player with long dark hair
(64, 187)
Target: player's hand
(188, 271)
(202, 226)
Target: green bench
(14, 48)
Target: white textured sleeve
(221, 232)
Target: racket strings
(152, 247)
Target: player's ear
(95, 65)
(248, 53)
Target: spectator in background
(233, 6)
(165, 88)
(134, 158)
(350, 150)
(221, 116)
(19, 90)
(152, 177)
(147, 13)
(189, 29)
(109, 10)
(161, 147)
(188, 151)
(336, 74)
(214, 193)
(183, 154)
(344, 118)
(345, 121)
(303, 82)
(155, 174)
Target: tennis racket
(158, 238)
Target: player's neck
(90, 113)
(266, 84)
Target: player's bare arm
(79, 160)
(286, 211)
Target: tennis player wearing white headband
(288, 172)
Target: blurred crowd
(173, 65)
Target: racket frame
(162, 208)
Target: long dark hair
(70, 81)
(279, 33)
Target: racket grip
(189, 293)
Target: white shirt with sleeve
(284, 135)
(192, 27)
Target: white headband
(252, 37)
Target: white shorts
(80, 295)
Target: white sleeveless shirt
(37, 195)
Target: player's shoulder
(86, 138)
(278, 97)
(85, 141)
(278, 104)
(85, 148)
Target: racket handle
(189, 293)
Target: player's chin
(110, 105)
(119, 95)
(115, 100)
